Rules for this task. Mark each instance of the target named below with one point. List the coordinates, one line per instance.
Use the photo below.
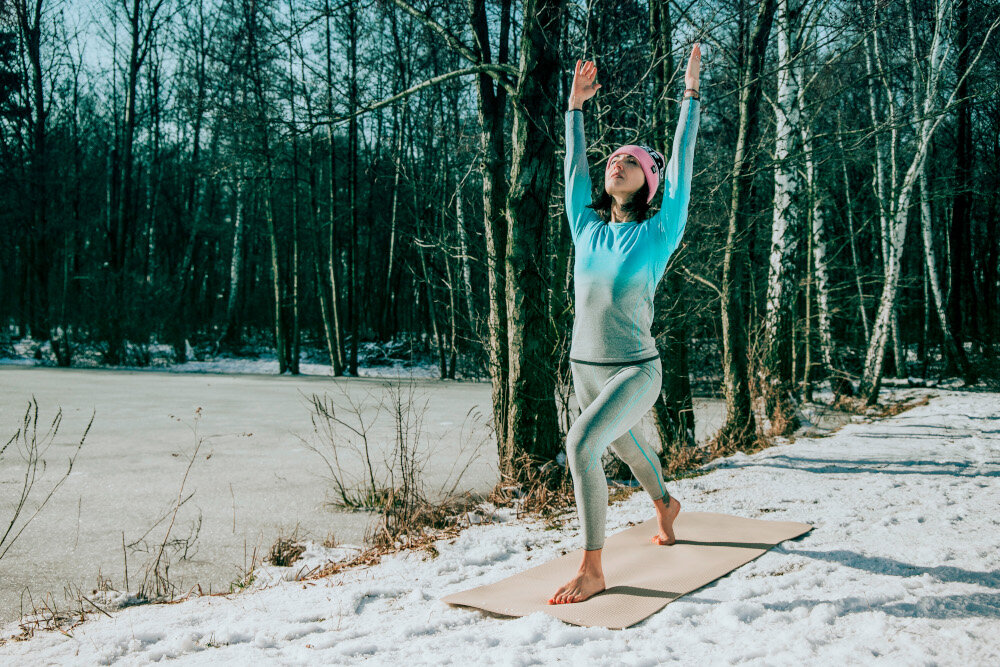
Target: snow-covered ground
(387, 359)
(901, 568)
(255, 478)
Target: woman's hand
(694, 68)
(583, 83)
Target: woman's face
(623, 176)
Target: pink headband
(650, 161)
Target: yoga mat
(641, 577)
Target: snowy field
(901, 568)
(255, 478)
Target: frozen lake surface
(254, 479)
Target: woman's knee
(579, 443)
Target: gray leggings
(613, 400)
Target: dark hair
(637, 206)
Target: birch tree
(786, 224)
(332, 325)
(954, 352)
(930, 118)
(820, 270)
(884, 159)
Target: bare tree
(786, 224)
(740, 427)
(930, 118)
(953, 351)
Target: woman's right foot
(665, 515)
(584, 585)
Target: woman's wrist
(575, 104)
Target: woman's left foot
(581, 587)
(665, 515)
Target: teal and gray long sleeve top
(619, 264)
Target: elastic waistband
(613, 363)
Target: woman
(620, 258)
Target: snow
(386, 359)
(255, 479)
(902, 567)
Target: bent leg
(623, 400)
(642, 460)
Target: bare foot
(584, 585)
(665, 516)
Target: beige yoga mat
(641, 577)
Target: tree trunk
(532, 421)
(337, 356)
(872, 376)
(820, 266)
(231, 331)
(739, 430)
(786, 229)
(466, 266)
(294, 347)
(953, 352)
(155, 166)
(807, 333)
(882, 161)
(124, 213)
(452, 320)
(492, 115)
(389, 298)
(991, 263)
(352, 141)
(962, 304)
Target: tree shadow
(821, 466)
(886, 435)
(985, 605)
(890, 566)
(960, 605)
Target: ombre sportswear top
(619, 264)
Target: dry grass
(681, 461)
(857, 406)
(408, 515)
(285, 551)
(31, 445)
(430, 523)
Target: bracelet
(696, 95)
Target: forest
(226, 175)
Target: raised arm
(672, 217)
(577, 173)
(677, 197)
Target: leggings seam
(649, 461)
